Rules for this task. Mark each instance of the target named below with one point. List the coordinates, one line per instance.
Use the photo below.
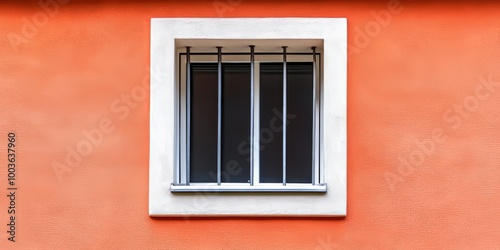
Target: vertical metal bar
(284, 114)
(178, 162)
(188, 109)
(219, 113)
(252, 103)
(320, 126)
(314, 119)
(256, 121)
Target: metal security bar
(314, 119)
(188, 116)
(284, 114)
(315, 186)
(219, 114)
(252, 115)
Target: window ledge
(246, 188)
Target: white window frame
(165, 36)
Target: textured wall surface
(423, 127)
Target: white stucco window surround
(168, 37)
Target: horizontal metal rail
(247, 53)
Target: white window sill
(235, 188)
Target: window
(221, 90)
(231, 132)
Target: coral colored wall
(428, 76)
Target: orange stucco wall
(423, 128)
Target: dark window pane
(299, 126)
(236, 123)
(203, 144)
(300, 123)
(271, 124)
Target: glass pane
(271, 124)
(235, 149)
(203, 143)
(236, 123)
(299, 125)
